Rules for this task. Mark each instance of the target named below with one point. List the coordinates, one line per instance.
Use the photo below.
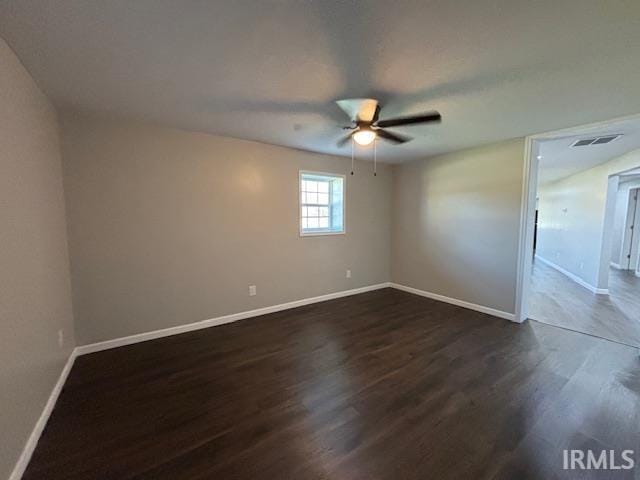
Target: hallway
(557, 300)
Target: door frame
(528, 205)
(634, 240)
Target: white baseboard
(234, 317)
(617, 266)
(212, 322)
(455, 301)
(575, 278)
(32, 441)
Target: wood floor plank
(380, 385)
(558, 300)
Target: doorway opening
(626, 241)
(580, 240)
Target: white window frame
(344, 204)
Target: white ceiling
(559, 159)
(270, 70)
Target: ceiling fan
(366, 126)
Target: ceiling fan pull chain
(352, 155)
(375, 157)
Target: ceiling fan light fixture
(364, 137)
(366, 127)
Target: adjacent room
(585, 270)
(324, 239)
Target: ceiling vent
(595, 140)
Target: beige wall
(168, 227)
(456, 222)
(35, 294)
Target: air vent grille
(605, 139)
(595, 140)
(584, 143)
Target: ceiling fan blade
(392, 137)
(343, 141)
(359, 109)
(376, 114)
(430, 117)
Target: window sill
(320, 234)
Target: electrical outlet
(348, 273)
(581, 265)
(60, 338)
(252, 290)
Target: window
(321, 203)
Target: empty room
(585, 274)
(328, 239)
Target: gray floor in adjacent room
(558, 300)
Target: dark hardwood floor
(383, 385)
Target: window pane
(321, 203)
